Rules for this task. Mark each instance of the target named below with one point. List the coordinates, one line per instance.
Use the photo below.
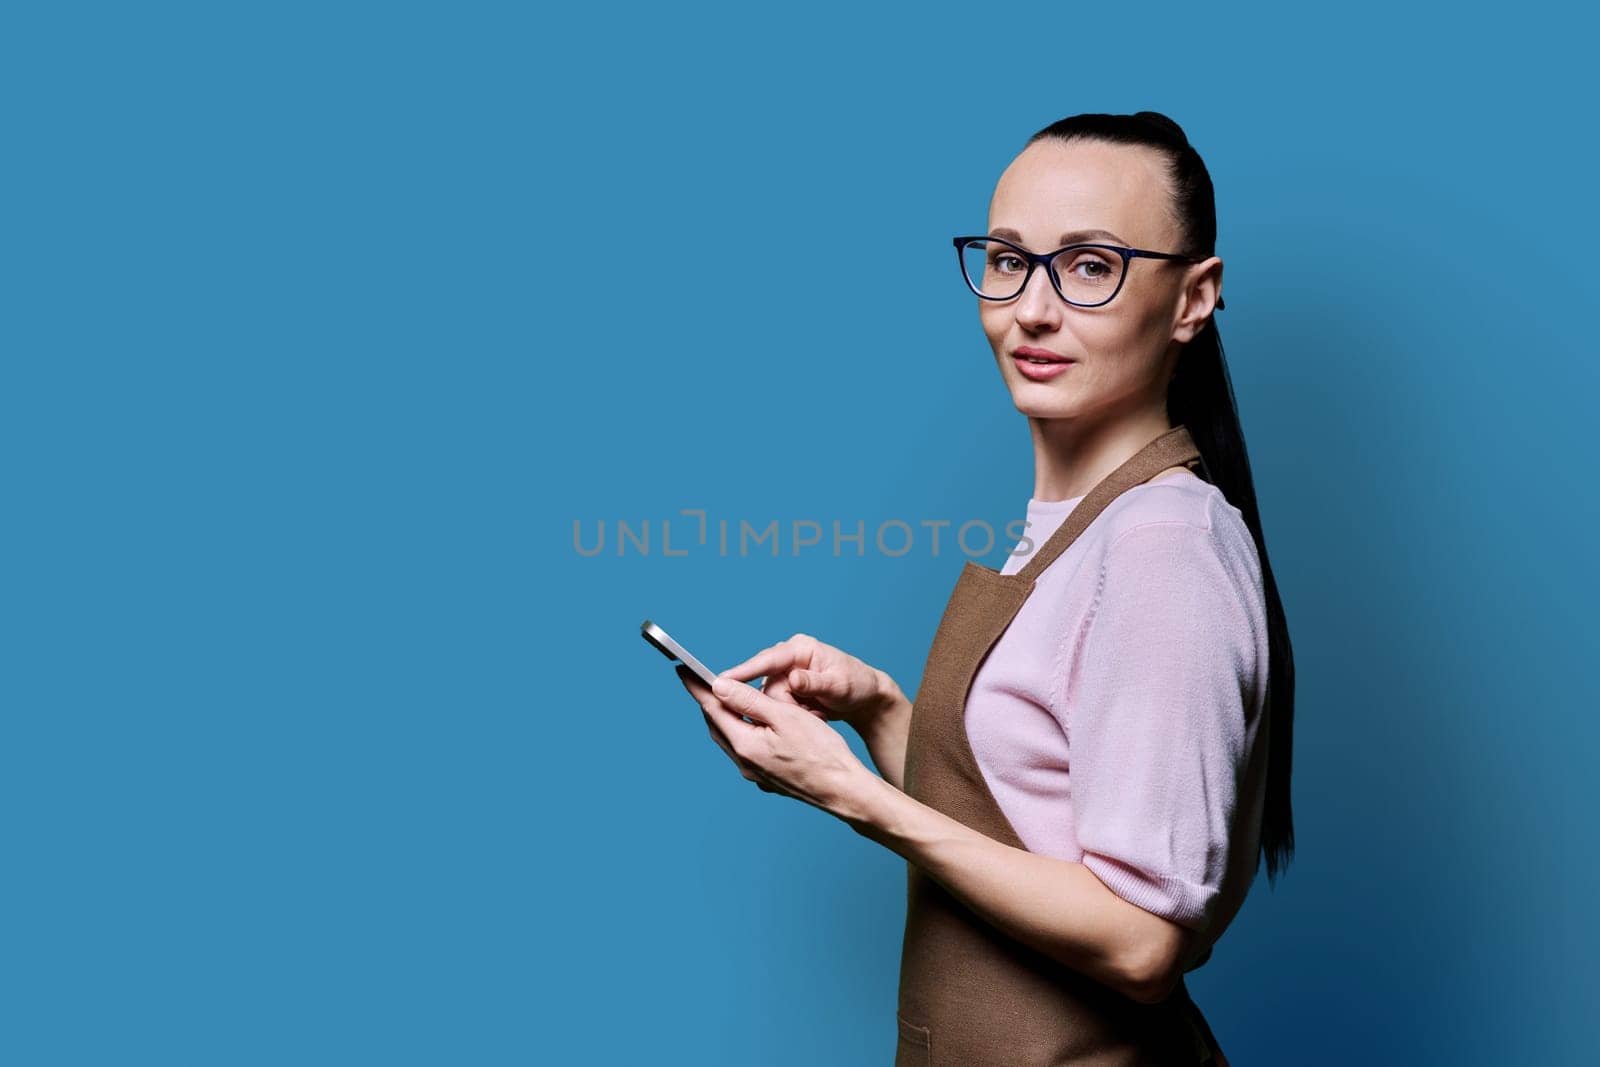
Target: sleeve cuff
(1183, 902)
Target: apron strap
(1173, 448)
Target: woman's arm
(1056, 906)
(885, 732)
(1059, 907)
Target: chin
(1029, 402)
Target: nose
(1038, 307)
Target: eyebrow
(1073, 237)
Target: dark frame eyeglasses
(1047, 260)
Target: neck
(1071, 456)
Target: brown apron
(971, 995)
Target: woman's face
(1122, 353)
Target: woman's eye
(1096, 269)
(1005, 262)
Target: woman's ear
(1202, 290)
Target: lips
(1028, 353)
(1043, 367)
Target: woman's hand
(831, 683)
(787, 749)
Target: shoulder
(1183, 497)
(1179, 520)
(1179, 590)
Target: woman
(1087, 778)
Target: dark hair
(1200, 396)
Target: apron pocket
(915, 1047)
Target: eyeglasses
(1084, 276)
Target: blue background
(325, 323)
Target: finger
(816, 704)
(723, 723)
(734, 729)
(742, 699)
(818, 692)
(777, 686)
(779, 657)
(709, 703)
(750, 770)
(716, 735)
(692, 682)
(723, 718)
(817, 684)
(746, 768)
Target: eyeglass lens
(1084, 275)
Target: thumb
(745, 699)
(813, 684)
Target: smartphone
(672, 650)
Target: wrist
(886, 703)
(865, 806)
